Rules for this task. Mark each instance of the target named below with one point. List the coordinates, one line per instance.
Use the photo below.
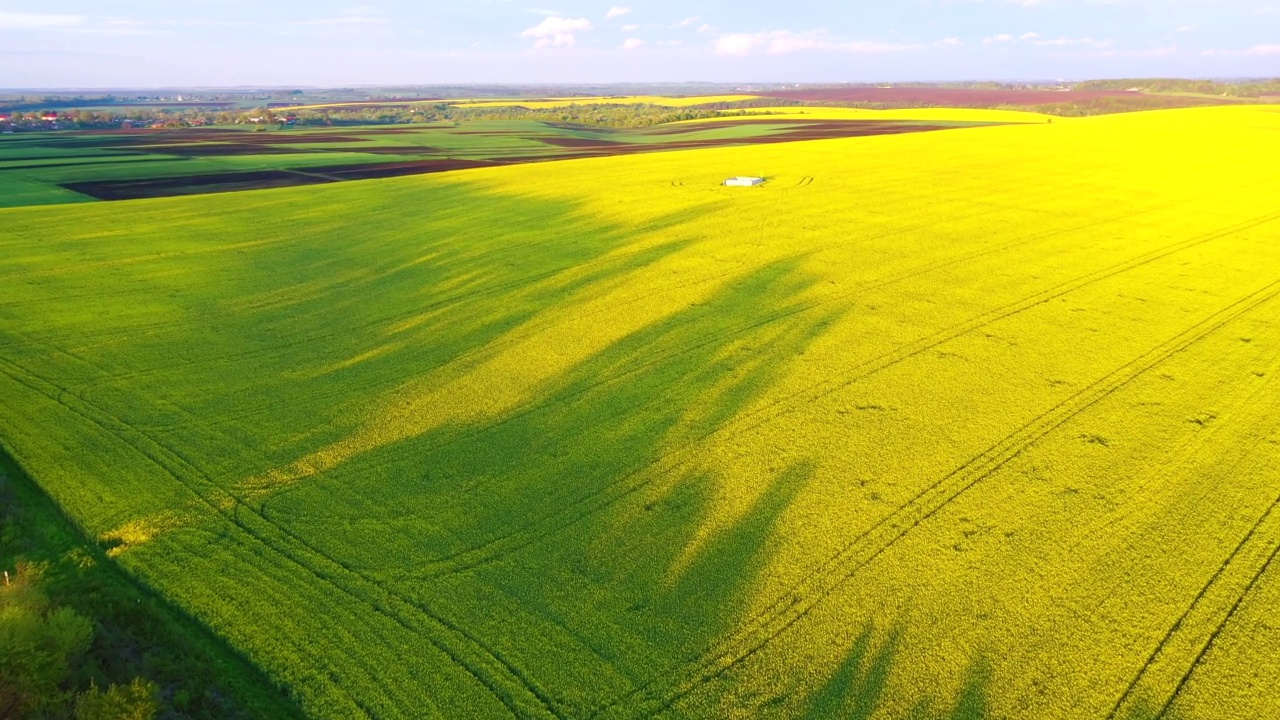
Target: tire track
(676, 457)
(798, 601)
(235, 515)
(238, 508)
(17, 377)
(423, 609)
(1213, 637)
(1130, 696)
(444, 303)
(1246, 545)
(241, 506)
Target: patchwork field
(973, 424)
(66, 167)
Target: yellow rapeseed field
(976, 423)
(976, 115)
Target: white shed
(743, 181)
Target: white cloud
(1029, 36)
(1256, 50)
(557, 31)
(28, 21)
(783, 42)
(949, 42)
(788, 44)
(632, 44)
(1065, 41)
(616, 11)
(994, 39)
(687, 22)
(736, 44)
(1152, 53)
(630, 28)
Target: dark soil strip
(261, 179)
(75, 164)
(577, 148)
(45, 158)
(384, 150)
(192, 185)
(143, 138)
(219, 149)
(386, 170)
(578, 142)
(222, 150)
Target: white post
(6, 578)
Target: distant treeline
(1232, 88)
(617, 116)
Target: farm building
(743, 181)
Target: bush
(38, 646)
(139, 700)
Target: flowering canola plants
(976, 423)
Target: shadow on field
(281, 342)
(562, 526)
(856, 690)
(253, 331)
(566, 518)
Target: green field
(48, 168)
(966, 424)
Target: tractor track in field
(674, 458)
(285, 554)
(1128, 695)
(1213, 637)
(241, 505)
(1247, 541)
(291, 558)
(797, 602)
(503, 694)
(15, 374)
(299, 540)
(446, 303)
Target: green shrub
(139, 700)
(38, 647)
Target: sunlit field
(980, 423)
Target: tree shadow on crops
(273, 347)
(283, 345)
(566, 532)
(857, 688)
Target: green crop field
(49, 168)
(979, 423)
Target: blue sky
(135, 43)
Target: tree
(139, 700)
(38, 645)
